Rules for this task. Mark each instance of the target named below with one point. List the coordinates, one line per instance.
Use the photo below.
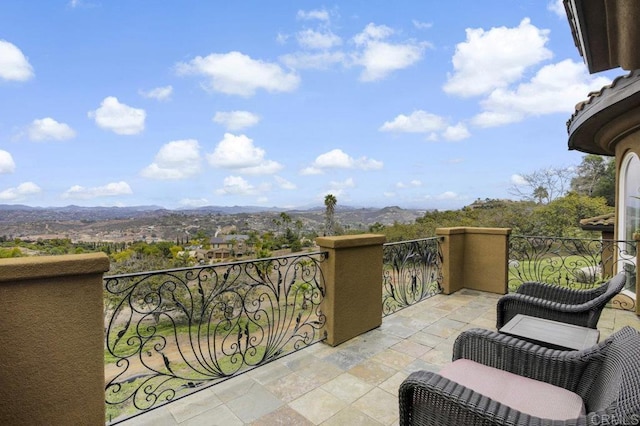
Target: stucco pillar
(608, 255)
(353, 282)
(52, 340)
(452, 248)
(475, 258)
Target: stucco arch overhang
(609, 115)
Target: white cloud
(305, 60)
(557, 7)
(338, 188)
(420, 121)
(422, 25)
(555, 88)
(340, 185)
(338, 159)
(316, 14)
(284, 184)
(236, 185)
(414, 183)
(311, 170)
(175, 160)
(20, 192)
(518, 180)
(47, 128)
(372, 32)
(234, 73)
(13, 64)
(493, 59)
(239, 153)
(159, 93)
(380, 58)
(335, 158)
(282, 38)
(447, 195)
(194, 202)
(236, 120)
(311, 39)
(7, 165)
(119, 118)
(417, 122)
(109, 190)
(456, 133)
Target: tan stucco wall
(353, 281)
(51, 340)
(624, 145)
(475, 258)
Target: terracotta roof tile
(592, 96)
(603, 222)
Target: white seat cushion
(526, 395)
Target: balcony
(354, 353)
(355, 383)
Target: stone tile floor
(355, 383)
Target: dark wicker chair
(554, 302)
(606, 377)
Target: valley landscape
(151, 223)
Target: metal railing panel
(171, 332)
(572, 262)
(412, 271)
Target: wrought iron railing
(169, 333)
(572, 262)
(412, 271)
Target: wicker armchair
(579, 307)
(605, 377)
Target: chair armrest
(558, 293)
(559, 368)
(427, 398)
(508, 306)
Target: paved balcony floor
(355, 383)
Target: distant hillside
(157, 223)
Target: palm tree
(330, 202)
(541, 194)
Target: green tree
(541, 195)
(376, 228)
(561, 217)
(606, 185)
(330, 202)
(588, 173)
(10, 252)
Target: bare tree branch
(544, 185)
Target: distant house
(224, 247)
(238, 244)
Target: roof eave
(606, 32)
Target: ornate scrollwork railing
(412, 271)
(571, 262)
(171, 332)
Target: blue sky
(420, 104)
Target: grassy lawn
(555, 269)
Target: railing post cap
(347, 241)
(472, 230)
(35, 267)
